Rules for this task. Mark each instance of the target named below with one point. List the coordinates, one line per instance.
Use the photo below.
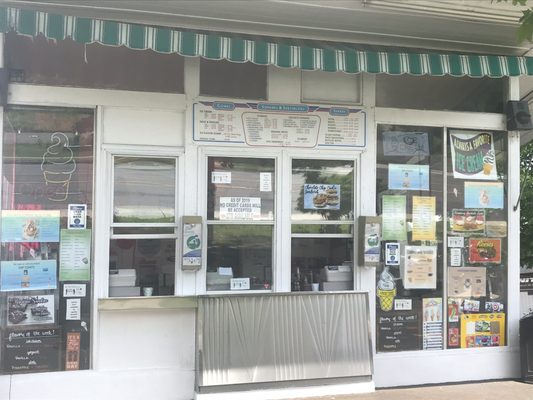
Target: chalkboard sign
(31, 350)
(398, 331)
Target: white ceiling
(458, 25)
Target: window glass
(240, 217)
(477, 220)
(45, 268)
(138, 265)
(43, 61)
(454, 94)
(144, 189)
(142, 251)
(239, 251)
(228, 79)
(322, 253)
(409, 279)
(240, 188)
(322, 190)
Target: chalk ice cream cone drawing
(57, 166)
(386, 290)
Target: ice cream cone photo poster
(57, 166)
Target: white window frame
(112, 151)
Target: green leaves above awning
(285, 53)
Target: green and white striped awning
(307, 55)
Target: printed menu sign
(279, 125)
(420, 269)
(240, 208)
(75, 255)
(31, 350)
(394, 218)
(467, 282)
(398, 332)
(473, 155)
(424, 226)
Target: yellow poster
(424, 226)
(482, 330)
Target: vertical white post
(513, 252)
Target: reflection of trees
(321, 172)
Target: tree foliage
(526, 205)
(525, 32)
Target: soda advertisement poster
(482, 330)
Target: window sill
(146, 303)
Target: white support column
(513, 252)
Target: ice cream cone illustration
(57, 166)
(386, 290)
(488, 162)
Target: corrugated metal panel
(282, 337)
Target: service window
(142, 251)
(322, 221)
(46, 239)
(442, 274)
(240, 223)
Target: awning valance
(285, 53)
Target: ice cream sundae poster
(408, 177)
(484, 195)
(30, 310)
(28, 275)
(485, 250)
(322, 197)
(394, 218)
(468, 221)
(473, 155)
(30, 226)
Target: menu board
(31, 350)
(279, 125)
(399, 331)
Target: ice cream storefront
(325, 219)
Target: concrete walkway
(495, 390)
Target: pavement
(493, 390)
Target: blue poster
(408, 177)
(28, 275)
(322, 197)
(30, 226)
(484, 195)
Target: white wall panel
(146, 339)
(140, 126)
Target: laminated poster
(424, 226)
(468, 221)
(322, 197)
(30, 310)
(420, 267)
(408, 177)
(405, 143)
(240, 208)
(394, 217)
(372, 242)
(75, 255)
(28, 275)
(484, 250)
(30, 226)
(467, 282)
(432, 326)
(484, 195)
(473, 155)
(482, 330)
